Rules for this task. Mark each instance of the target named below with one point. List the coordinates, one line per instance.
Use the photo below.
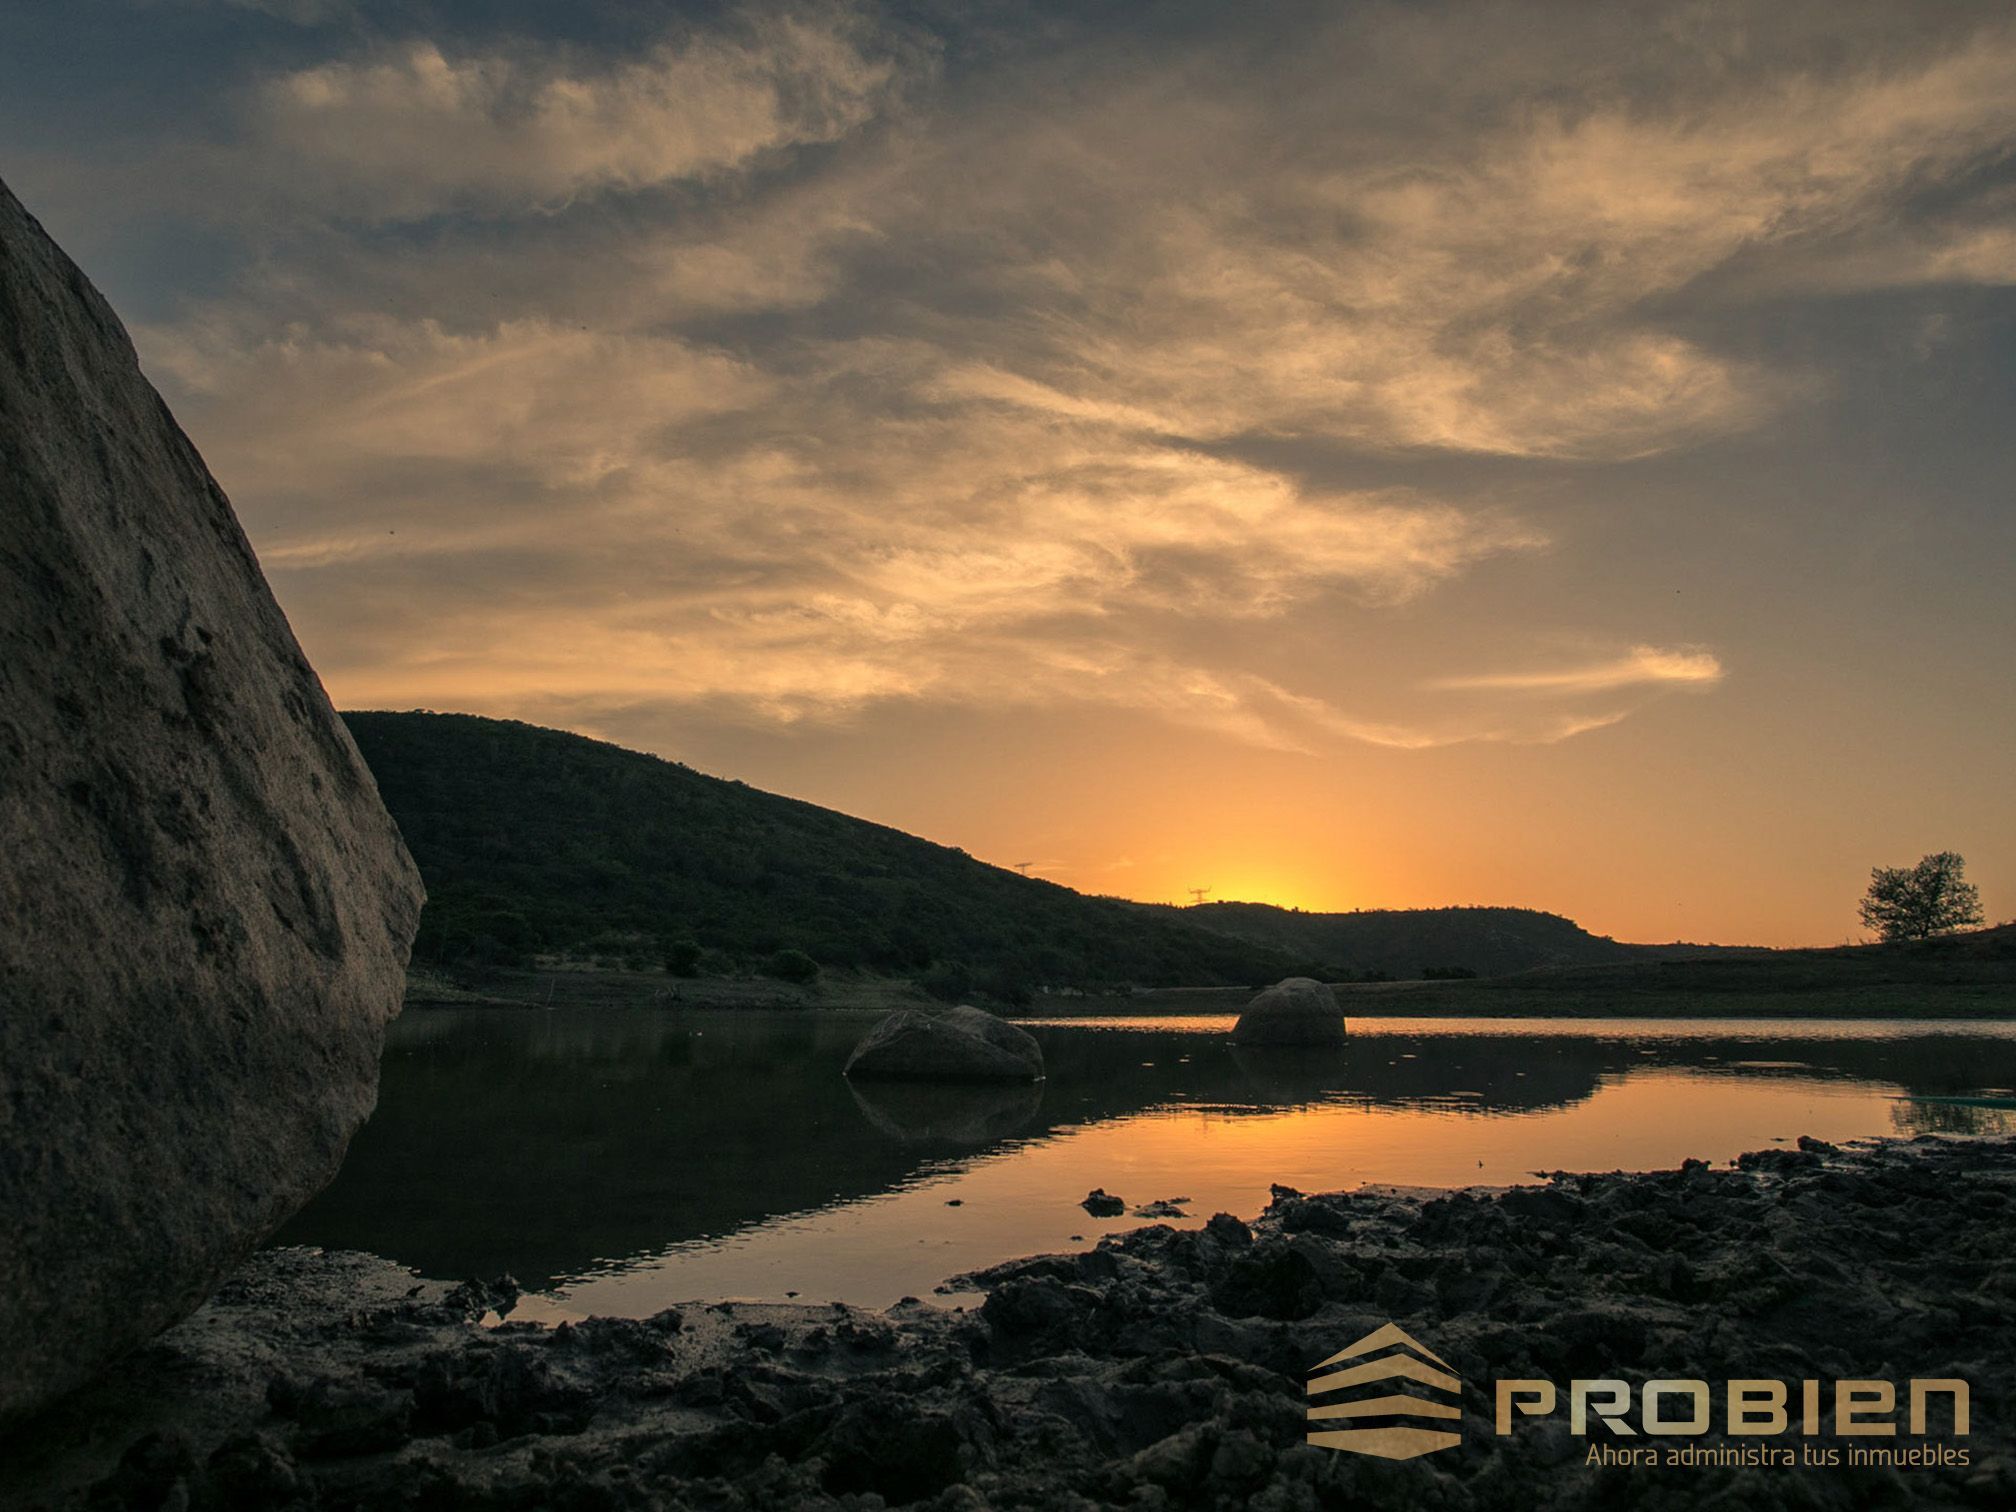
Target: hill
(536, 841)
(1960, 976)
(1956, 976)
(1978, 958)
(1413, 942)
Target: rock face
(948, 1044)
(207, 909)
(1298, 1011)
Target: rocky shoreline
(1163, 1369)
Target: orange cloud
(1021, 395)
(1641, 666)
(410, 130)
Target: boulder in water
(1298, 1011)
(207, 908)
(946, 1044)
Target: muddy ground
(1164, 1369)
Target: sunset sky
(1342, 455)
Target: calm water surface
(621, 1161)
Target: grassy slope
(534, 841)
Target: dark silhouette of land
(535, 842)
(536, 845)
(1404, 943)
(1964, 975)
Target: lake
(620, 1161)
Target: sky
(1339, 455)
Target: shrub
(790, 965)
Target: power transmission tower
(1023, 867)
(1197, 896)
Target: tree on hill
(1916, 902)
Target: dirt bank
(1164, 1369)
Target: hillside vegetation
(1959, 976)
(540, 845)
(1977, 958)
(533, 841)
(1412, 942)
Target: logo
(1370, 1423)
(1390, 1396)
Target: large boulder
(1298, 1011)
(946, 1044)
(207, 909)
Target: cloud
(412, 130)
(299, 12)
(985, 400)
(1641, 666)
(596, 671)
(1504, 291)
(629, 516)
(568, 405)
(731, 558)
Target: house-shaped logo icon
(1375, 1421)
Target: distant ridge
(1405, 943)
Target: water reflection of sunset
(559, 1146)
(1222, 1159)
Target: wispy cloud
(414, 129)
(766, 372)
(1640, 667)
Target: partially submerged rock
(207, 908)
(946, 1044)
(1298, 1011)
